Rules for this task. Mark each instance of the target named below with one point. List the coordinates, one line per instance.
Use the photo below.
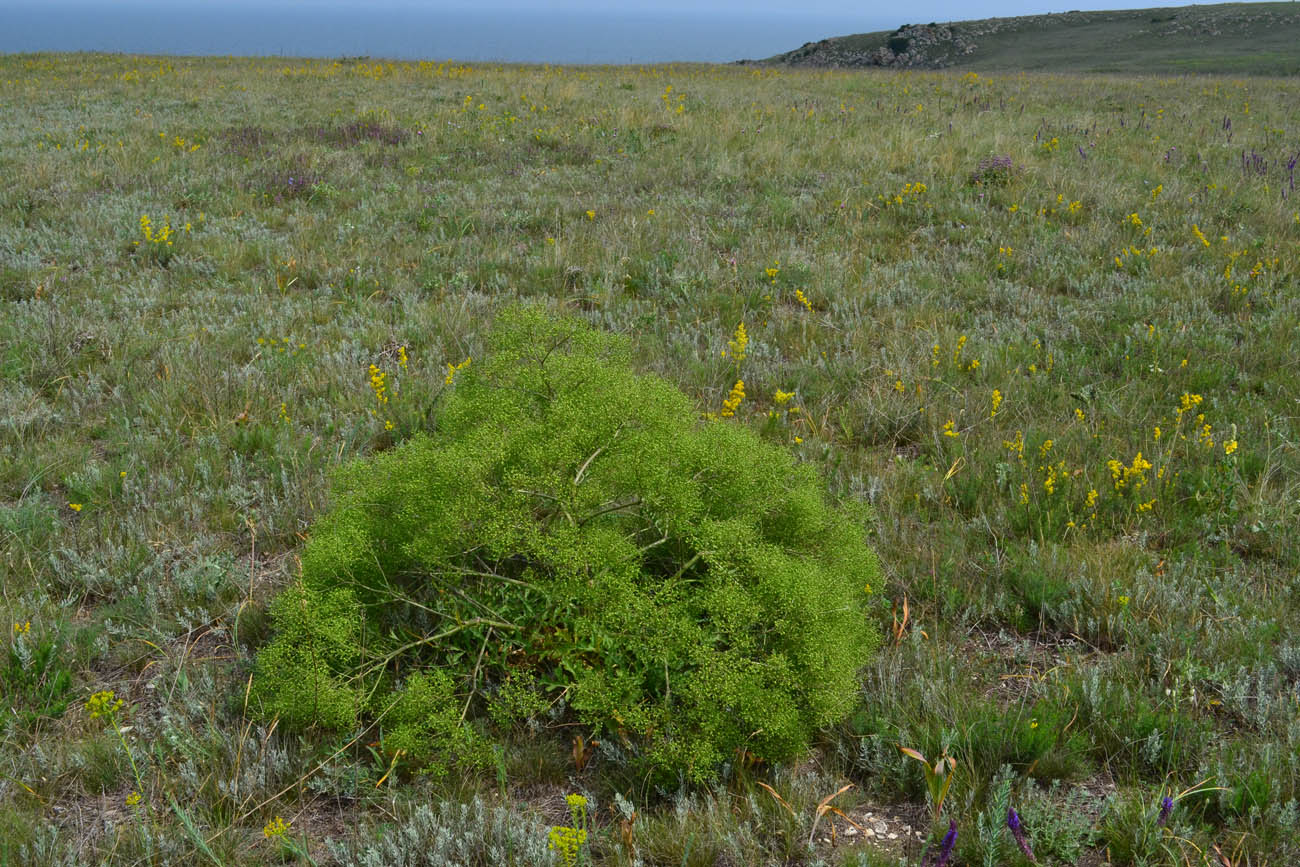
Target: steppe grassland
(1047, 326)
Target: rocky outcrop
(936, 46)
(926, 46)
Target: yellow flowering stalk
(568, 842)
(378, 384)
(1016, 445)
(453, 369)
(105, 705)
(733, 400)
(738, 344)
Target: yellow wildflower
(733, 399)
(378, 384)
(453, 369)
(1016, 445)
(103, 703)
(567, 843)
(738, 343)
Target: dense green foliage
(681, 585)
(34, 679)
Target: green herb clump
(676, 583)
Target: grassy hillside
(1229, 39)
(1045, 327)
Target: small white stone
(891, 835)
(850, 831)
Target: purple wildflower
(1013, 822)
(1166, 807)
(945, 847)
(947, 844)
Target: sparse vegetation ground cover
(1041, 330)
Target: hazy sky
(916, 11)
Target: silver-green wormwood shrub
(572, 534)
(457, 835)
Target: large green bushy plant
(574, 527)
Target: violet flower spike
(1166, 807)
(946, 845)
(945, 848)
(1013, 822)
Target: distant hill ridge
(1232, 38)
